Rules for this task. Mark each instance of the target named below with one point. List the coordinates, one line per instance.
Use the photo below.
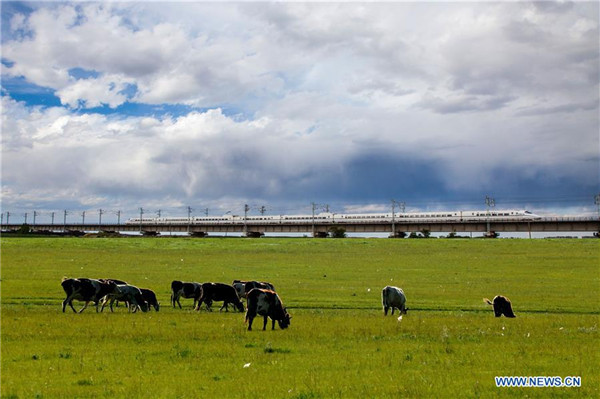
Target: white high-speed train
(341, 218)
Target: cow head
(404, 311)
(156, 306)
(142, 303)
(144, 306)
(284, 322)
(240, 306)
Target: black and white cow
(394, 298)
(116, 281)
(86, 290)
(219, 292)
(240, 288)
(186, 290)
(266, 303)
(130, 294)
(250, 285)
(502, 306)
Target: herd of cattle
(261, 298)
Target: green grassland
(339, 344)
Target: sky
(213, 105)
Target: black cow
(186, 290)
(502, 306)
(220, 292)
(150, 297)
(267, 304)
(86, 290)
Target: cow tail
(485, 300)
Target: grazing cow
(240, 288)
(267, 304)
(502, 306)
(129, 294)
(114, 280)
(219, 292)
(250, 285)
(85, 289)
(150, 297)
(187, 290)
(394, 298)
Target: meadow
(339, 344)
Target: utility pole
(246, 209)
(262, 210)
(118, 217)
(141, 214)
(158, 213)
(83, 217)
(401, 206)
(52, 218)
(314, 206)
(189, 210)
(597, 202)
(100, 212)
(393, 218)
(206, 212)
(25, 218)
(490, 202)
(35, 213)
(7, 217)
(65, 220)
(313, 217)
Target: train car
(328, 217)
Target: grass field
(339, 344)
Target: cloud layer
(298, 102)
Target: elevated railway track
(320, 228)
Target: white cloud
(462, 90)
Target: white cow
(393, 297)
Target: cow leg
(265, 323)
(272, 324)
(84, 306)
(393, 308)
(68, 301)
(71, 305)
(250, 319)
(385, 310)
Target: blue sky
(214, 105)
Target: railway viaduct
(319, 228)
